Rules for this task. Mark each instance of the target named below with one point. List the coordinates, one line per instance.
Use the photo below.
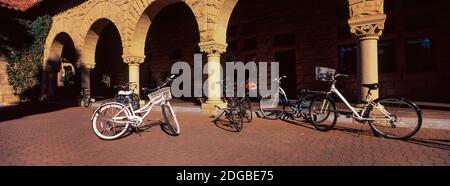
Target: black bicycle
(85, 98)
(276, 106)
(126, 94)
(238, 109)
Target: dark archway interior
(71, 81)
(109, 68)
(261, 34)
(63, 76)
(173, 36)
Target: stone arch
(101, 14)
(91, 39)
(56, 44)
(142, 14)
(218, 29)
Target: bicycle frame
(353, 109)
(159, 100)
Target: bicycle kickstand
(137, 130)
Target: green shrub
(25, 66)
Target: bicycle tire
(377, 127)
(171, 119)
(237, 120)
(248, 111)
(277, 113)
(322, 102)
(102, 108)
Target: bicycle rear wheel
(322, 113)
(171, 119)
(110, 121)
(246, 108)
(236, 117)
(405, 117)
(271, 106)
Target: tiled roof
(20, 5)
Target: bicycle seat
(125, 93)
(149, 90)
(372, 86)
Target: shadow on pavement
(434, 143)
(28, 109)
(443, 144)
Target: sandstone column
(86, 75)
(213, 50)
(367, 23)
(133, 69)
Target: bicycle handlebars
(280, 78)
(331, 76)
(126, 85)
(168, 80)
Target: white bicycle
(390, 117)
(111, 120)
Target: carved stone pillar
(133, 69)
(366, 22)
(213, 50)
(86, 75)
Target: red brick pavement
(64, 137)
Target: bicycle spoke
(403, 123)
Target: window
(347, 59)
(419, 57)
(284, 40)
(386, 57)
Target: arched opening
(261, 34)
(173, 36)
(62, 80)
(110, 70)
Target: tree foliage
(25, 65)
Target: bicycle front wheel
(271, 106)
(322, 113)
(395, 118)
(110, 121)
(171, 119)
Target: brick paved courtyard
(63, 136)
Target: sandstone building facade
(403, 44)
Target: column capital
(213, 48)
(367, 18)
(86, 66)
(133, 60)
